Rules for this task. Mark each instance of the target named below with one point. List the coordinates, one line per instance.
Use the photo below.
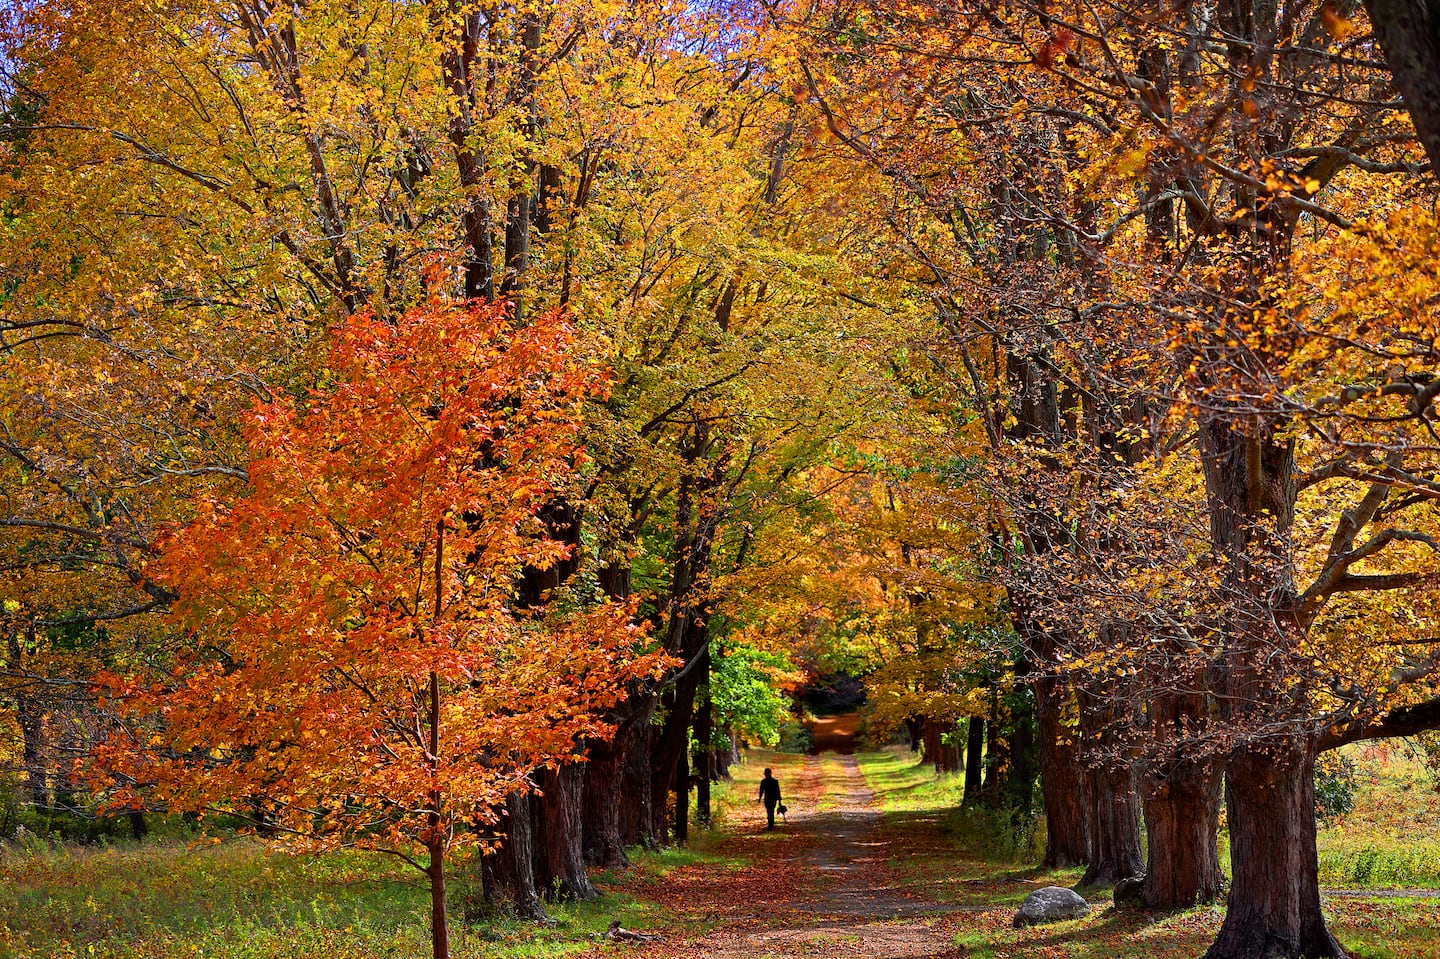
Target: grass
(902, 785)
(970, 857)
(239, 900)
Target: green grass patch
(902, 784)
(974, 857)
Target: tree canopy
(427, 423)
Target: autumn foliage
(1069, 371)
(353, 668)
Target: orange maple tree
(354, 671)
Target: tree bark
(726, 757)
(613, 802)
(637, 779)
(1114, 848)
(682, 797)
(704, 749)
(1409, 33)
(1113, 852)
(508, 873)
(560, 859)
(673, 741)
(439, 921)
(945, 757)
(915, 727)
(1274, 903)
(1273, 911)
(604, 800)
(1062, 784)
(1020, 777)
(1182, 810)
(31, 719)
(997, 754)
(974, 760)
(458, 61)
(1180, 789)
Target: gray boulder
(1051, 904)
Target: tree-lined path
(872, 863)
(451, 429)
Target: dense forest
(452, 428)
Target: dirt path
(816, 887)
(835, 733)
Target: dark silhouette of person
(770, 796)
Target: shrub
(1334, 786)
(1011, 835)
(795, 737)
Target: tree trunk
(1409, 33)
(974, 759)
(1182, 810)
(560, 863)
(31, 719)
(32, 750)
(672, 744)
(1180, 788)
(1273, 908)
(1020, 777)
(704, 748)
(508, 873)
(1114, 848)
(637, 783)
(603, 801)
(439, 921)
(614, 803)
(997, 755)
(726, 757)
(945, 757)
(1062, 783)
(682, 797)
(1273, 911)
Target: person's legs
(770, 814)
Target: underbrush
(1001, 835)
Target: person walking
(770, 796)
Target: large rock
(1051, 904)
